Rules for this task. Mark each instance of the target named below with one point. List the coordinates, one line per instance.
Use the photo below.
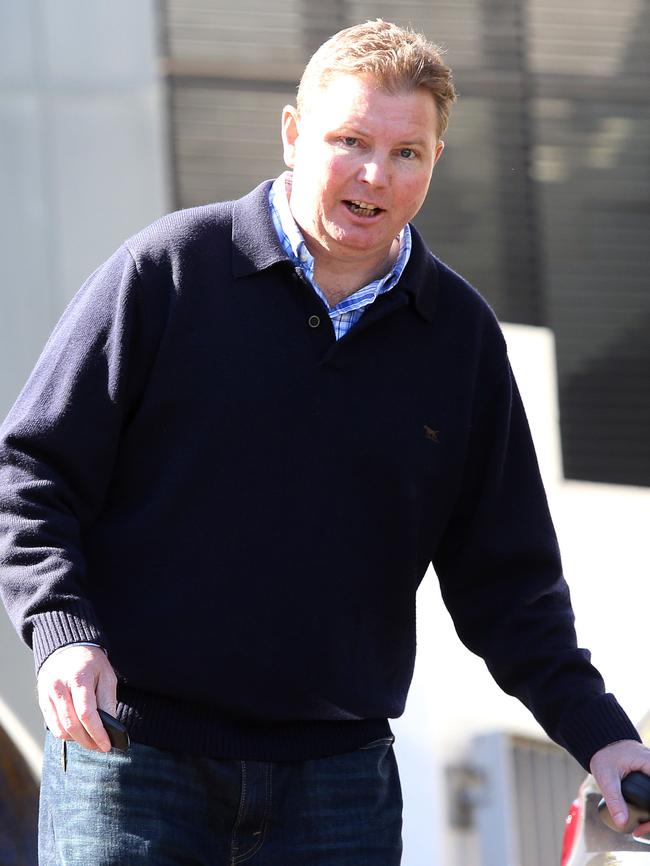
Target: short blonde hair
(400, 60)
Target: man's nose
(374, 172)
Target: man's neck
(338, 280)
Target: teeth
(363, 207)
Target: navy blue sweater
(240, 509)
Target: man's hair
(399, 59)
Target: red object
(573, 820)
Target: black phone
(117, 733)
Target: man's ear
(438, 151)
(289, 134)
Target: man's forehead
(345, 97)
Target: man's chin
(353, 240)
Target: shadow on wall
(604, 399)
(18, 806)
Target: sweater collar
(256, 247)
(255, 242)
(421, 276)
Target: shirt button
(304, 255)
(313, 321)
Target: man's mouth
(362, 208)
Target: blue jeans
(162, 808)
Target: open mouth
(362, 208)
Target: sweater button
(313, 321)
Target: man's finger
(68, 719)
(85, 706)
(106, 691)
(52, 720)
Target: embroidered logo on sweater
(431, 434)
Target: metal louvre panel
(458, 214)
(520, 813)
(252, 31)
(546, 781)
(485, 195)
(588, 37)
(481, 215)
(592, 165)
(226, 140)
(251, 39)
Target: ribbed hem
(55, 629)
(173, 726)
(594, 725)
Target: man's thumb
(617, 809)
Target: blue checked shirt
(350, 309)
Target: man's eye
(407, 153)
(349, 140)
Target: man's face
(362, 160)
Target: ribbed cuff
(56, 629)
(594, 725)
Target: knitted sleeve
(501, 576)
(57, 448)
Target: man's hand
(72, 683)
(609, 766)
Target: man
(250, 433)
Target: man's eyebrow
(350, 128)
(416, 140)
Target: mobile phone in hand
(117, 733)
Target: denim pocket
(382, 741)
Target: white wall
(607, 563)
(83, 160)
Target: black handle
(636, 790)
